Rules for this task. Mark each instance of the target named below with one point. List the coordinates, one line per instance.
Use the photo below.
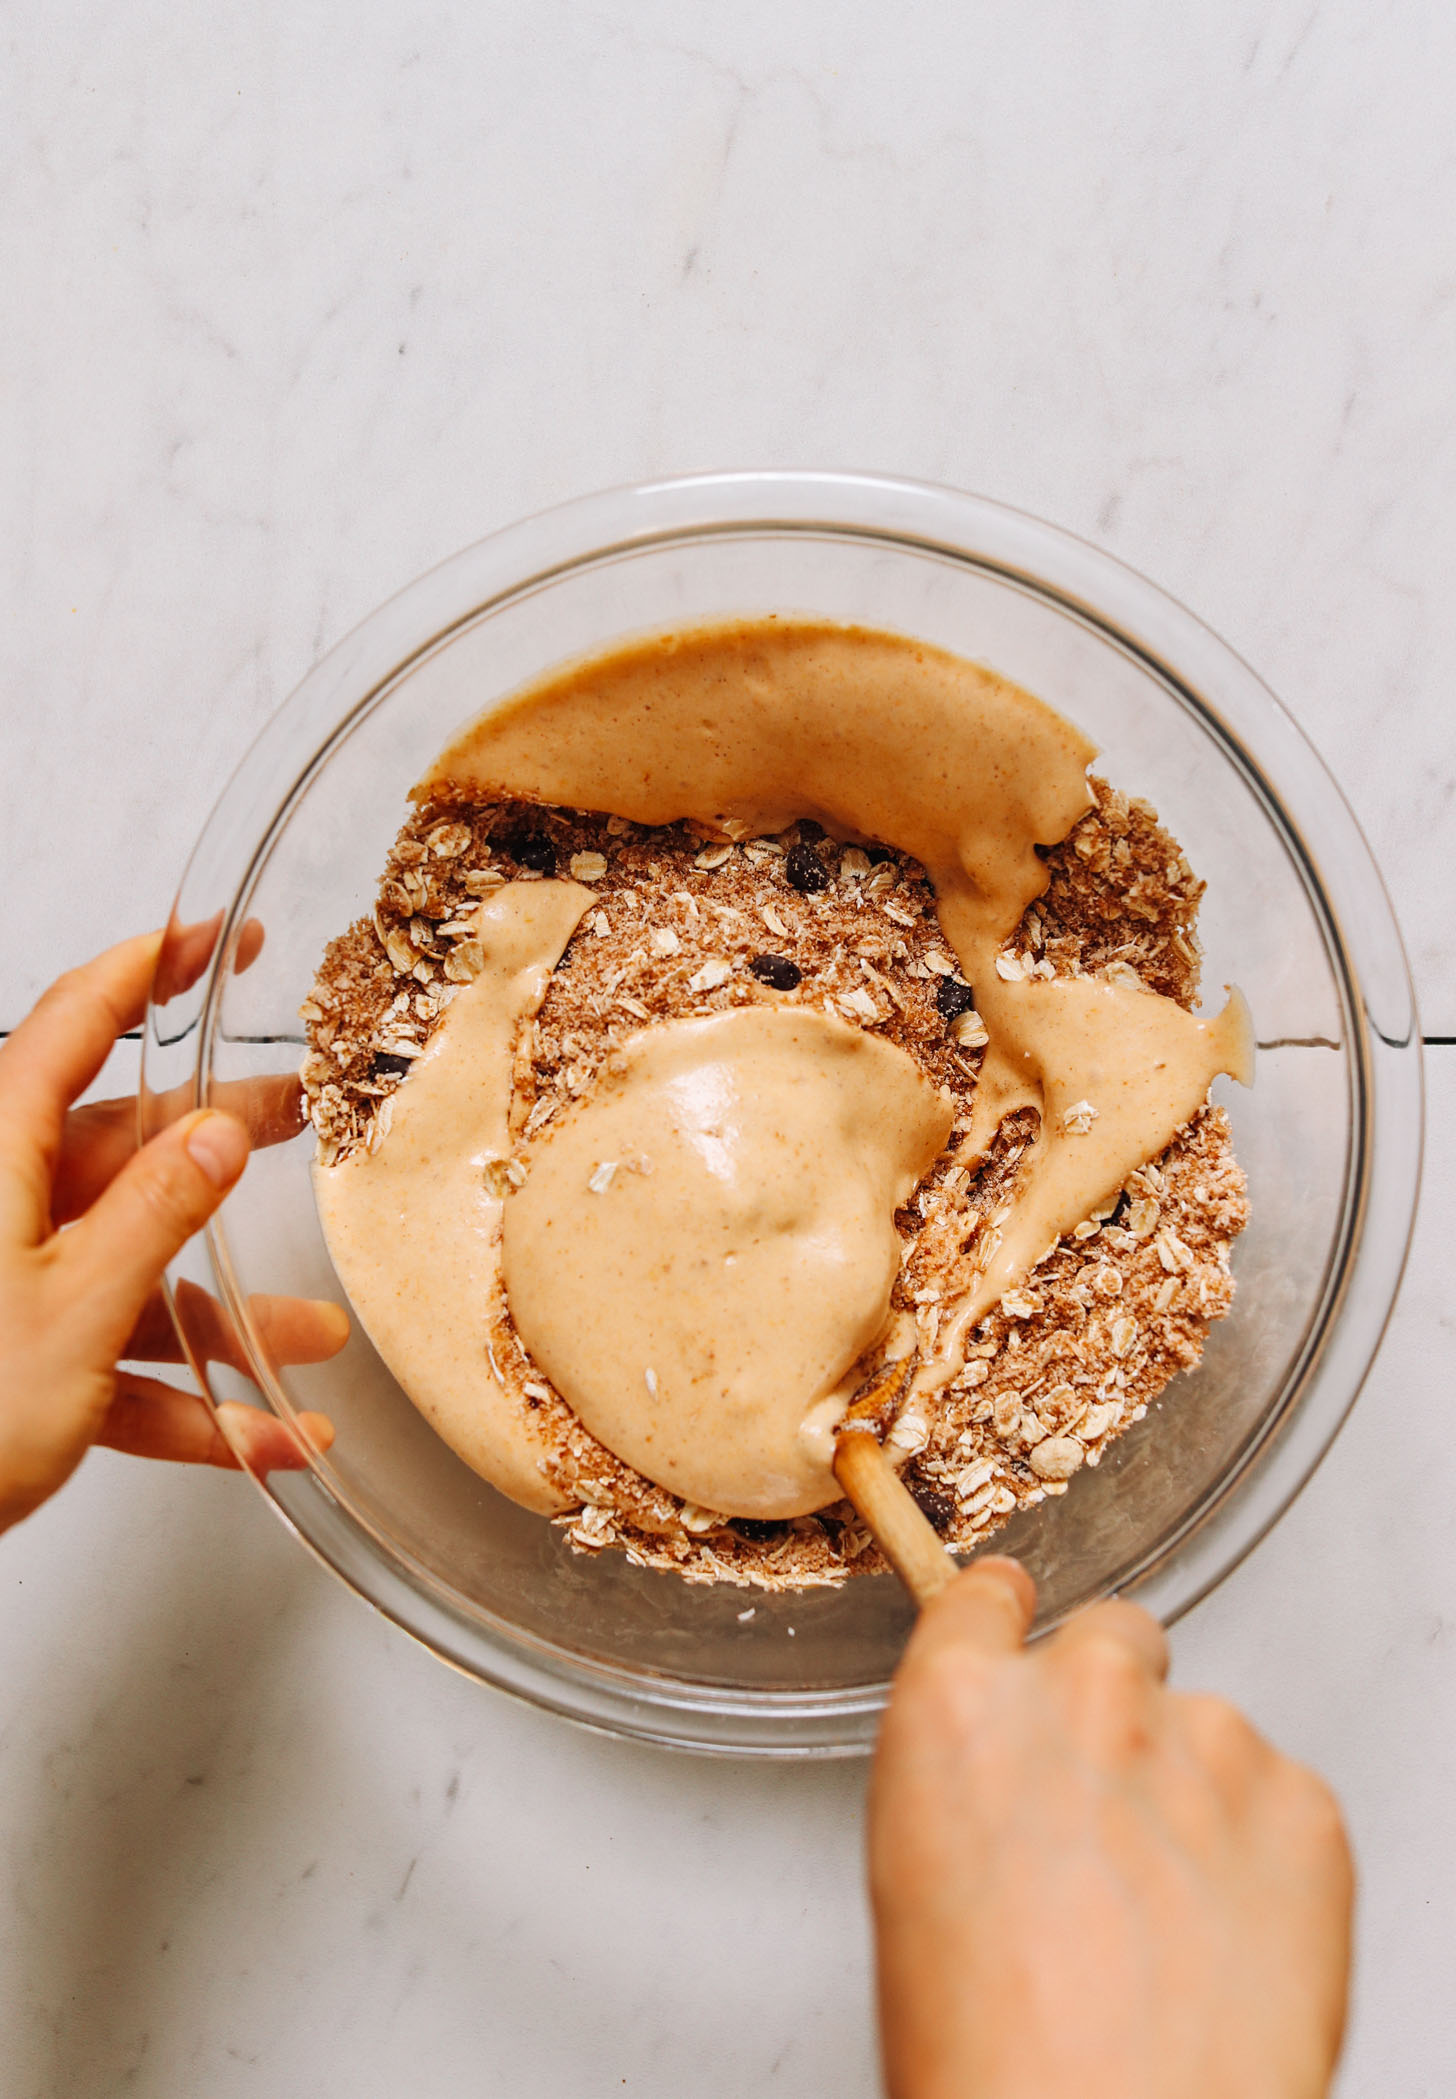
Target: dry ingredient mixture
(687, 925)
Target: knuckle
(1312, 1800)
(62, 991)
(1107, 1696)
(948, 1684)
(944, 1673)
(1224, 1738)
(1132, 1628)
(1106, 1666)
(74, 1006)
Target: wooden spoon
(901, 1530)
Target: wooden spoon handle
(901, 1531)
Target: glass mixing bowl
(1295, 914)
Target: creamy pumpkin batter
(754, 1160)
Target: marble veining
(302, 300)
(307, 303)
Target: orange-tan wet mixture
(743, 1009)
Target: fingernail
(333, 1322)
(220, 1147)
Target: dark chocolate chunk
(534, 851)
(934, 1504)
(386, 1063)
(757, 1530)
(805, 870)
(777, 971)
(953, 997)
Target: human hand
(75, 1302)
(1087, 1886)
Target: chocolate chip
(934, 1504)
(777, 971)
(805, 870)
(386, 1063)
(953, 997)
(757, 1530)
(536, 852)
(876, 854)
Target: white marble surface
(299, 300)
(252, 1841)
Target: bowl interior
(312, 830)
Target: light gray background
(298, 300)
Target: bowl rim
(1183, 654)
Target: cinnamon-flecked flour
(682, 924)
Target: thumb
(985, 1611)
(117, 1251)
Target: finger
(151, 1420)
(986, 1610)
(53, 1055)
(1223, 1740)
(96, 1143)
(270, 1107)
(1117, 1624)
(187, 951)
(153, 1338)
(289, 1330)
(115, 1254)
(249, 946)
(296, 1329)
(97, 1140)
